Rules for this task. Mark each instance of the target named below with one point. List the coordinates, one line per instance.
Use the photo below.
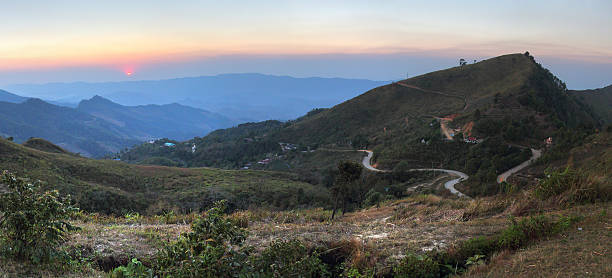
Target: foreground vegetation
(419, 236)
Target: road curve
(450, 185)
(535, 154)
(366, 161)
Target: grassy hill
(117, 187)
(599, 99)
(43, 145)
(504, 101)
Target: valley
(464, 171)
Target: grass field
(116, 187)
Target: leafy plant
(211, 249)
(287, 259)
(134, 269)
(417, 266)
(475, 260)
(33, 223)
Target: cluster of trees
(226, 148)
(512, 130)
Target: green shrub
(288, 259)
(471, 247)
(211, 249)
(572, 187)
(517, 235)
(33, 223)
(417, 266)
(529, 229)
(556, 182)
(135, 269)
(373, 197)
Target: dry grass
(12, 269)
(584, 252)
(380, 236)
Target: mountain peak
(36, 101)
(97, 101)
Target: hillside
(245, 97)
(600, 100)
(224, 148)
(43, 145)
(144, 122)
(12, 98)
(116, 187)
(73, 130)
(504, 102)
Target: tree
(401, 171)
(462, 62)
(348, 173)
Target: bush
(33, 223)
(556, 182)
(211, 249)
(421, 266)
(289, 258)
(572, 187)
(522, 232)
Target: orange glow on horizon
(113, 58)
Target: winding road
(535, 154)
(450, 185)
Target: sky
(86, 40)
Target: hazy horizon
(69, 41)
(578, 75)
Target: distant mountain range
(246, 97)
(156, 121)
(12, 98)
(98, 126)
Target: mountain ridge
(10, 97)
(249, 97)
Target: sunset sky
(66, 41)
